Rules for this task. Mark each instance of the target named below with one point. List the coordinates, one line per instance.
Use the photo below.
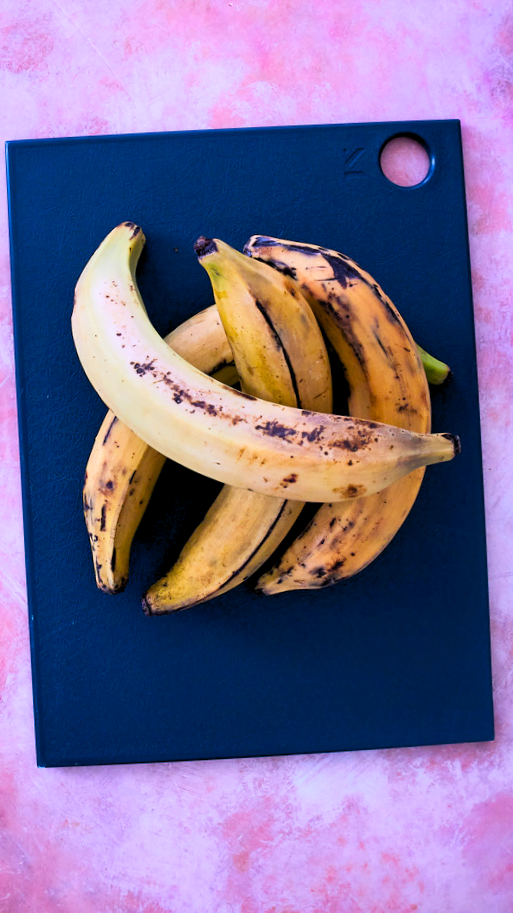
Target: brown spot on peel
(143, 369)
(352, 491)
(313, 435)
(275, 429)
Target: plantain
(386, 375)
(211, 428)
(122, 470)
(280, 356)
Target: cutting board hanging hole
(405, 160)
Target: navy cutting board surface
(400, 654)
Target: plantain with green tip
(213, 429)
(386, 374)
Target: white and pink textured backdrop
(428, 829)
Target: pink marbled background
(428, 829)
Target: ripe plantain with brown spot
(387, 382)
(213, 429)
(122, 470)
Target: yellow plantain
(280, 356)
(122, 470)
(211, 428)
(387, 383)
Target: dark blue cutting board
(397, 656)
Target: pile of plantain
(275, 443)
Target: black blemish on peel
(344, 320)
(390, 311)
(380, 343)
(206, 407)
(180, 394)
(275, 429)
(245, 395)
(276, 264)
(279, 345)
(343, 270)
(346, 445)
(103, 518)
(142, 369)
(313, 435)
(109, 429)
(222, 364)
(260, 241)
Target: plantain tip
(204, 246)
(455, 442)
(136, 229)
(146, 607)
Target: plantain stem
(436, 371)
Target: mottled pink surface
(427, 829)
